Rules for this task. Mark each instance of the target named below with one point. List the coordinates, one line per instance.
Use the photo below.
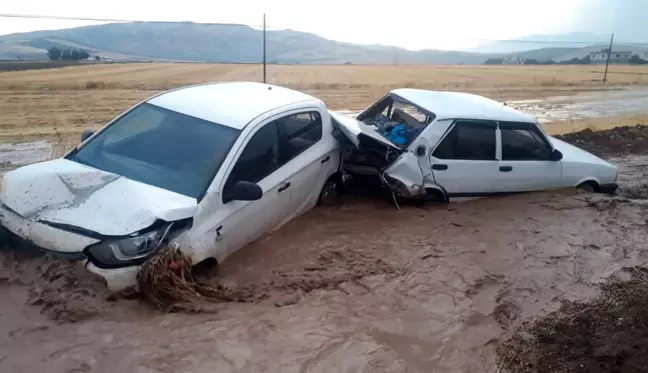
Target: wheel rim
(328, 191)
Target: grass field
(62, 102)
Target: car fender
(439, 188)
(412, 168)
(586, 179)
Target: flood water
(16, 155)
(585, 105)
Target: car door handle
(219, 236)
(284, 187)
(439, 167)
(326, 159)
(506, 168)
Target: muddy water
(362, 287)
(586, 105)
(16, 155)
(20, 154)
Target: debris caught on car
(166, 280)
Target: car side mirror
(556, 155)
(86, 133)
(244, 191)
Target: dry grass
(61, 102)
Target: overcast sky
(413, 24)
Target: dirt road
(362, 287)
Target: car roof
(233, 104)
(459, 105)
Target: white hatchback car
(208, 167)
(440, 145)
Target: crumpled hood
(69, 193)
(353, 129)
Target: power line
(115, 20)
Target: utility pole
(607, 63)
(264, 48)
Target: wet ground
(361, 287)
(23, 153)
(586, 105)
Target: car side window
(469, 140)
(298, 132)
(259, 158)
(523, 142)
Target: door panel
(243, 221)
(309, 152)
(525, 176)
(526, 164)
(464, 162)
(465, 177)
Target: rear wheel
(435, 196)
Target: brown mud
(613, 142)
(360, 287)
(606, 334)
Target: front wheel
(588, 186)
(330, 192)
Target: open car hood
(68, 194)
(357, 131)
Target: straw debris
(166, 282)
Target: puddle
(16, 155)
(585, 105)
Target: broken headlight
(125, 251)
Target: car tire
(588, 186)
(330, 191)
(435, 196)
(7, 239)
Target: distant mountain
(189, 41)
(218, 43)
(572, 40)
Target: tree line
(574, 61)
(68, 54)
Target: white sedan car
(207, 167)
(439, 145)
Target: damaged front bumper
(65, 245)
(115, 279)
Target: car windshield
(162, 148)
